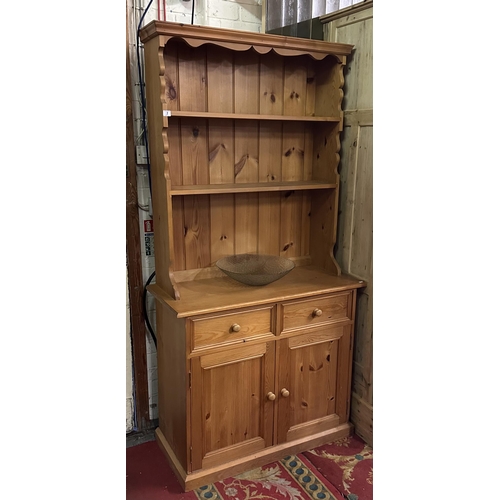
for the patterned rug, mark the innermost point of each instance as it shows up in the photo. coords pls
(289, 478)
(336, 471)
(347, 464)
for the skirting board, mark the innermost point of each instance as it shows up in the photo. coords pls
(202, 477)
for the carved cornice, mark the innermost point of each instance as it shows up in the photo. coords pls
(243, 40)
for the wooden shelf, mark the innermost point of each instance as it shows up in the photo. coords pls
(249, 116)
(223, 293)
(260, 187)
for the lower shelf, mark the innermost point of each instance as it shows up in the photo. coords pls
(202, 477)
(201, 296)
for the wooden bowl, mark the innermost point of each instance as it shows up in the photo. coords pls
(252, 269)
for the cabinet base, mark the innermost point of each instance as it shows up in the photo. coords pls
(202, 477)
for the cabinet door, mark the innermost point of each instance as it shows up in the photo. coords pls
(313, 382)
(231, 415)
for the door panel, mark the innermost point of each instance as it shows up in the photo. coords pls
(312, 381)
(231, 414)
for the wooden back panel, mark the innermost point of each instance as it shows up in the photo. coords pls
(210, 227)
(213, 78)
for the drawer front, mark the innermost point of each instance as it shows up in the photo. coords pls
(316, 311)
(232, 328)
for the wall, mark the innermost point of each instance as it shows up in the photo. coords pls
(354, 251)
(299, 11)
(232, 14)
(242, 15)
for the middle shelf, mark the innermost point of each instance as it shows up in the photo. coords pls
(250, 116)
(255, 187)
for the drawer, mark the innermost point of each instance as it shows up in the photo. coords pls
(232, 328)
(316, 311)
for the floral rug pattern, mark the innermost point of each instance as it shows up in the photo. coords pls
(290, 479)
(347, 464)
(342, 470)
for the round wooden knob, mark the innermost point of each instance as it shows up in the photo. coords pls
(285, 393)
(235, 327)
(271, 396)
(317, 312)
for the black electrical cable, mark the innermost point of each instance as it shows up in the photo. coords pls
(143, 101)
(143, 109)
(192, 13)
(144, 307)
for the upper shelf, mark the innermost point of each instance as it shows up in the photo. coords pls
(250, 187)
(249, 116)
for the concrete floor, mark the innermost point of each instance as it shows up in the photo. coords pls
(138, 437)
